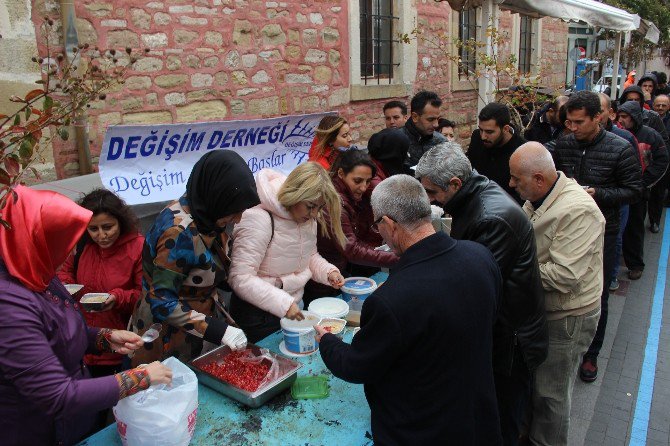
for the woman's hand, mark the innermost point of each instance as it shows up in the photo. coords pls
(158, 373)
(109, 303)
(294, 313)
(124, 342)
(335, 279)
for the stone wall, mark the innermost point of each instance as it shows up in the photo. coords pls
(17, 72)
(241, 59)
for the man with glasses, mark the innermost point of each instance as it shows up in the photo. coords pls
(606, 166)
(423, 352)
(483, 212)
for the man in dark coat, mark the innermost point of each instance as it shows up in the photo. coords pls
(492, 144)
(424, 349)
(421, 127)
(607, 166)
(484, 213)
(546, 124)
(654, 158)
(649, 117)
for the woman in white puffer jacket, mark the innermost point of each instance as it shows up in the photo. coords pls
(274, 248)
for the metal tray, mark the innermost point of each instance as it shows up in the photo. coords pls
(255, 399)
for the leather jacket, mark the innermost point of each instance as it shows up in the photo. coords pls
(483, 212)
(609, 165)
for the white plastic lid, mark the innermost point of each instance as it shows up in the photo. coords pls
(359, 285)
(332, 307)
(302, 326)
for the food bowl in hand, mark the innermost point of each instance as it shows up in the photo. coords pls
(93, 301)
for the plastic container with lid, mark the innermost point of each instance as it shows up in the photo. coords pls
(329, 307)
(300, 336)
(355, 290)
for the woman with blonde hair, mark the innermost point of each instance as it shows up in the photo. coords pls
(274, 251)
(332, 136)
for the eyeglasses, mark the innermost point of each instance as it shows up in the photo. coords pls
(375, 225)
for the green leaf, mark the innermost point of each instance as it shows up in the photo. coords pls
(48, 103)
(63, 133)
(26, 148)
(17, 119)
(28, 112)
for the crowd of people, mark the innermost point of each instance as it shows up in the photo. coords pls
(476, 337)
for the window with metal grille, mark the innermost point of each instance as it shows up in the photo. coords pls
(378, 24)
(467, 30)
(525, 43)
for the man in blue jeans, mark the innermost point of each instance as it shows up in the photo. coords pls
(607, 166)
(569, 230)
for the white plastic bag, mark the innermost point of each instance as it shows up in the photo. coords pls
(161, 415)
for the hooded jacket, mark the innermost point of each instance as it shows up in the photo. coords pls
(484, 213)
(653, 152)
(649, 117)
(607, 164)
(419, 143)
(116, 270)
(270, 270)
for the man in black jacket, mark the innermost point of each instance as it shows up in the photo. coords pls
(649, 117)
(424, 350)
(483, 212)
(421, 127)
(546, 124)
(492, 144)
(654, 157)
(606, 166)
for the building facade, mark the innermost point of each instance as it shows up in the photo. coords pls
(244, 59)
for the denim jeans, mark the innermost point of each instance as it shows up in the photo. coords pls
(623, 219)
(555, 377)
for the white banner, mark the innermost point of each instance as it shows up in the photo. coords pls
(150, 163)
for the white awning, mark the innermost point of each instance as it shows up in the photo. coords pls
(592, 12)
(649, 31)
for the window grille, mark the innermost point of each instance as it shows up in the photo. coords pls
(525, 44)
(378, 25)
(467, 30)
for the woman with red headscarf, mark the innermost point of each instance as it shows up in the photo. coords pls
(46, 393)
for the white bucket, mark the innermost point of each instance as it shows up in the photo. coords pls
(300, 336)
(329, 307)
(356, 289)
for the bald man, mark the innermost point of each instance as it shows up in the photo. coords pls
(569, 233)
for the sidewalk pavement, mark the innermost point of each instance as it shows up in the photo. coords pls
(614, 410)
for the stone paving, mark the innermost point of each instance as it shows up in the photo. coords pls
(603, 411)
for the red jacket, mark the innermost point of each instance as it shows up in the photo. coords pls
(116, 270)
(326, 159)
(361, 240)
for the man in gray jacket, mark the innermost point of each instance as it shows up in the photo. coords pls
(421, 127)
(569, 231)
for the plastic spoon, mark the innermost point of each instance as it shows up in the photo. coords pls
(152, 333)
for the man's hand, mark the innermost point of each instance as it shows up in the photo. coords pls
(320, 331)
